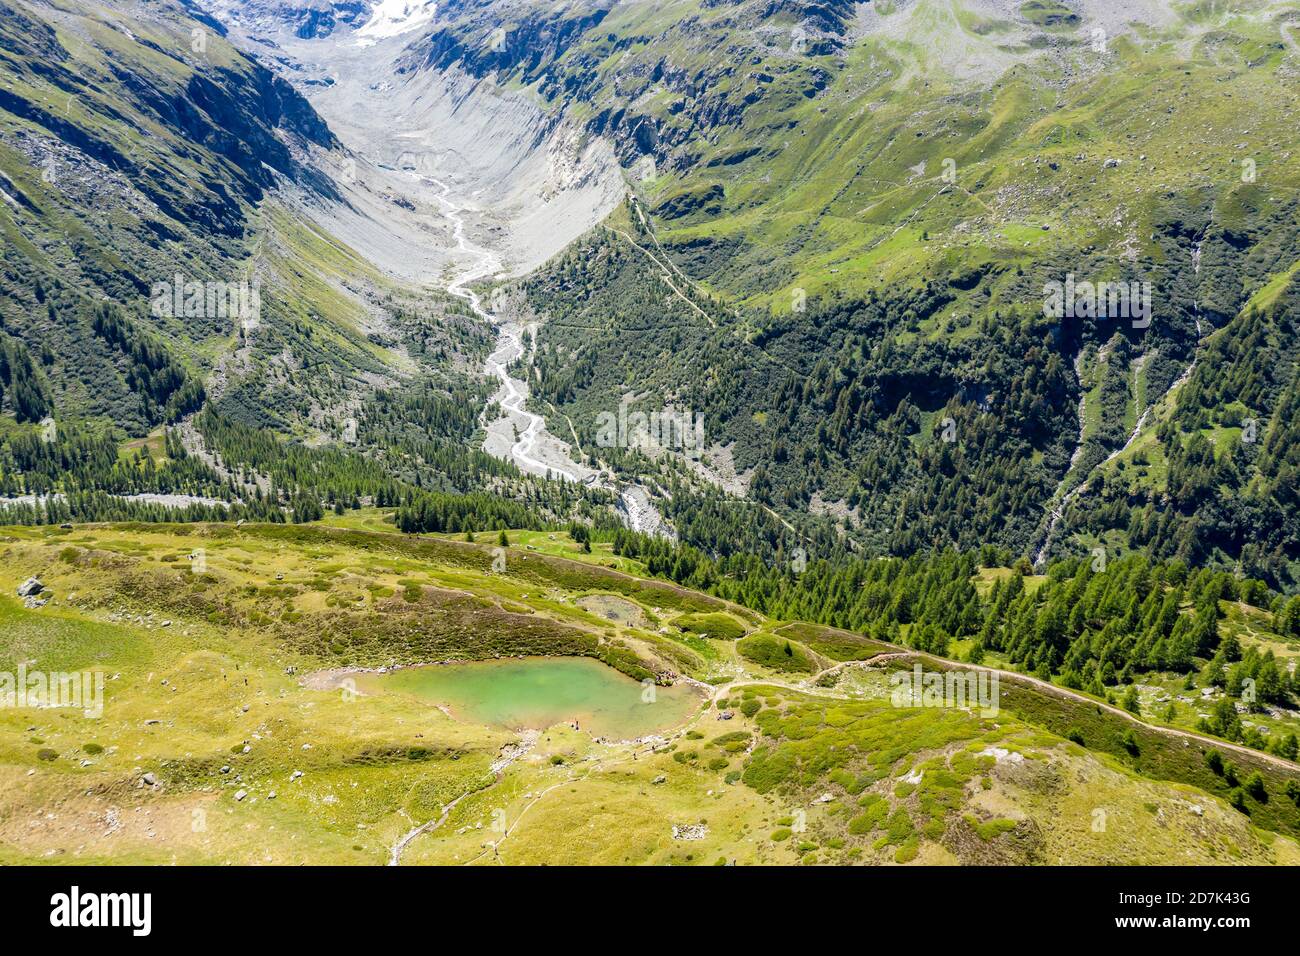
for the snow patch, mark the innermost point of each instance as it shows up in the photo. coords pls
(391, 18)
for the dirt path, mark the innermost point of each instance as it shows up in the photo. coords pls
(666, 274)
(628, 752)
(650, 231)
(512, 753)
(395, 855)
(1059, 691)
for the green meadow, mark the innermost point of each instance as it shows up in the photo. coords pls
(261, 706)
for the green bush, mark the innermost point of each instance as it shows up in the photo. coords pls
(733, 742)
(907, 852)
(988, 830)
(775, 652)
(722, 627)
(1255, 787)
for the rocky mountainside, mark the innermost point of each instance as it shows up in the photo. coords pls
(849, 218)
(532, 178)
(172, 211)
(135, 145)
(844, 227)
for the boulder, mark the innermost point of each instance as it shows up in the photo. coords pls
(29, 587)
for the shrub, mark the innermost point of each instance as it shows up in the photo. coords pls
(777, 653)
(722, 627)
(875, 811)
(988, 830)
(733, 742)
(907, 852)
(1131, 702)
(1255, 787)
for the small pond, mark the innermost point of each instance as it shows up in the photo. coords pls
(538, 692)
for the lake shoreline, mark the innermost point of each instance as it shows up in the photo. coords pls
(530, 693)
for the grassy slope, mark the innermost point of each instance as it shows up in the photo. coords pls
(1098, 164)
(184, 699)
(830, 188)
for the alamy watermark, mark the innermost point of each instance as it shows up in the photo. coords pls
(194, 299)
(74, 908)
(945, 688)
(1099, 300)
(671, 429)
(78, 690)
